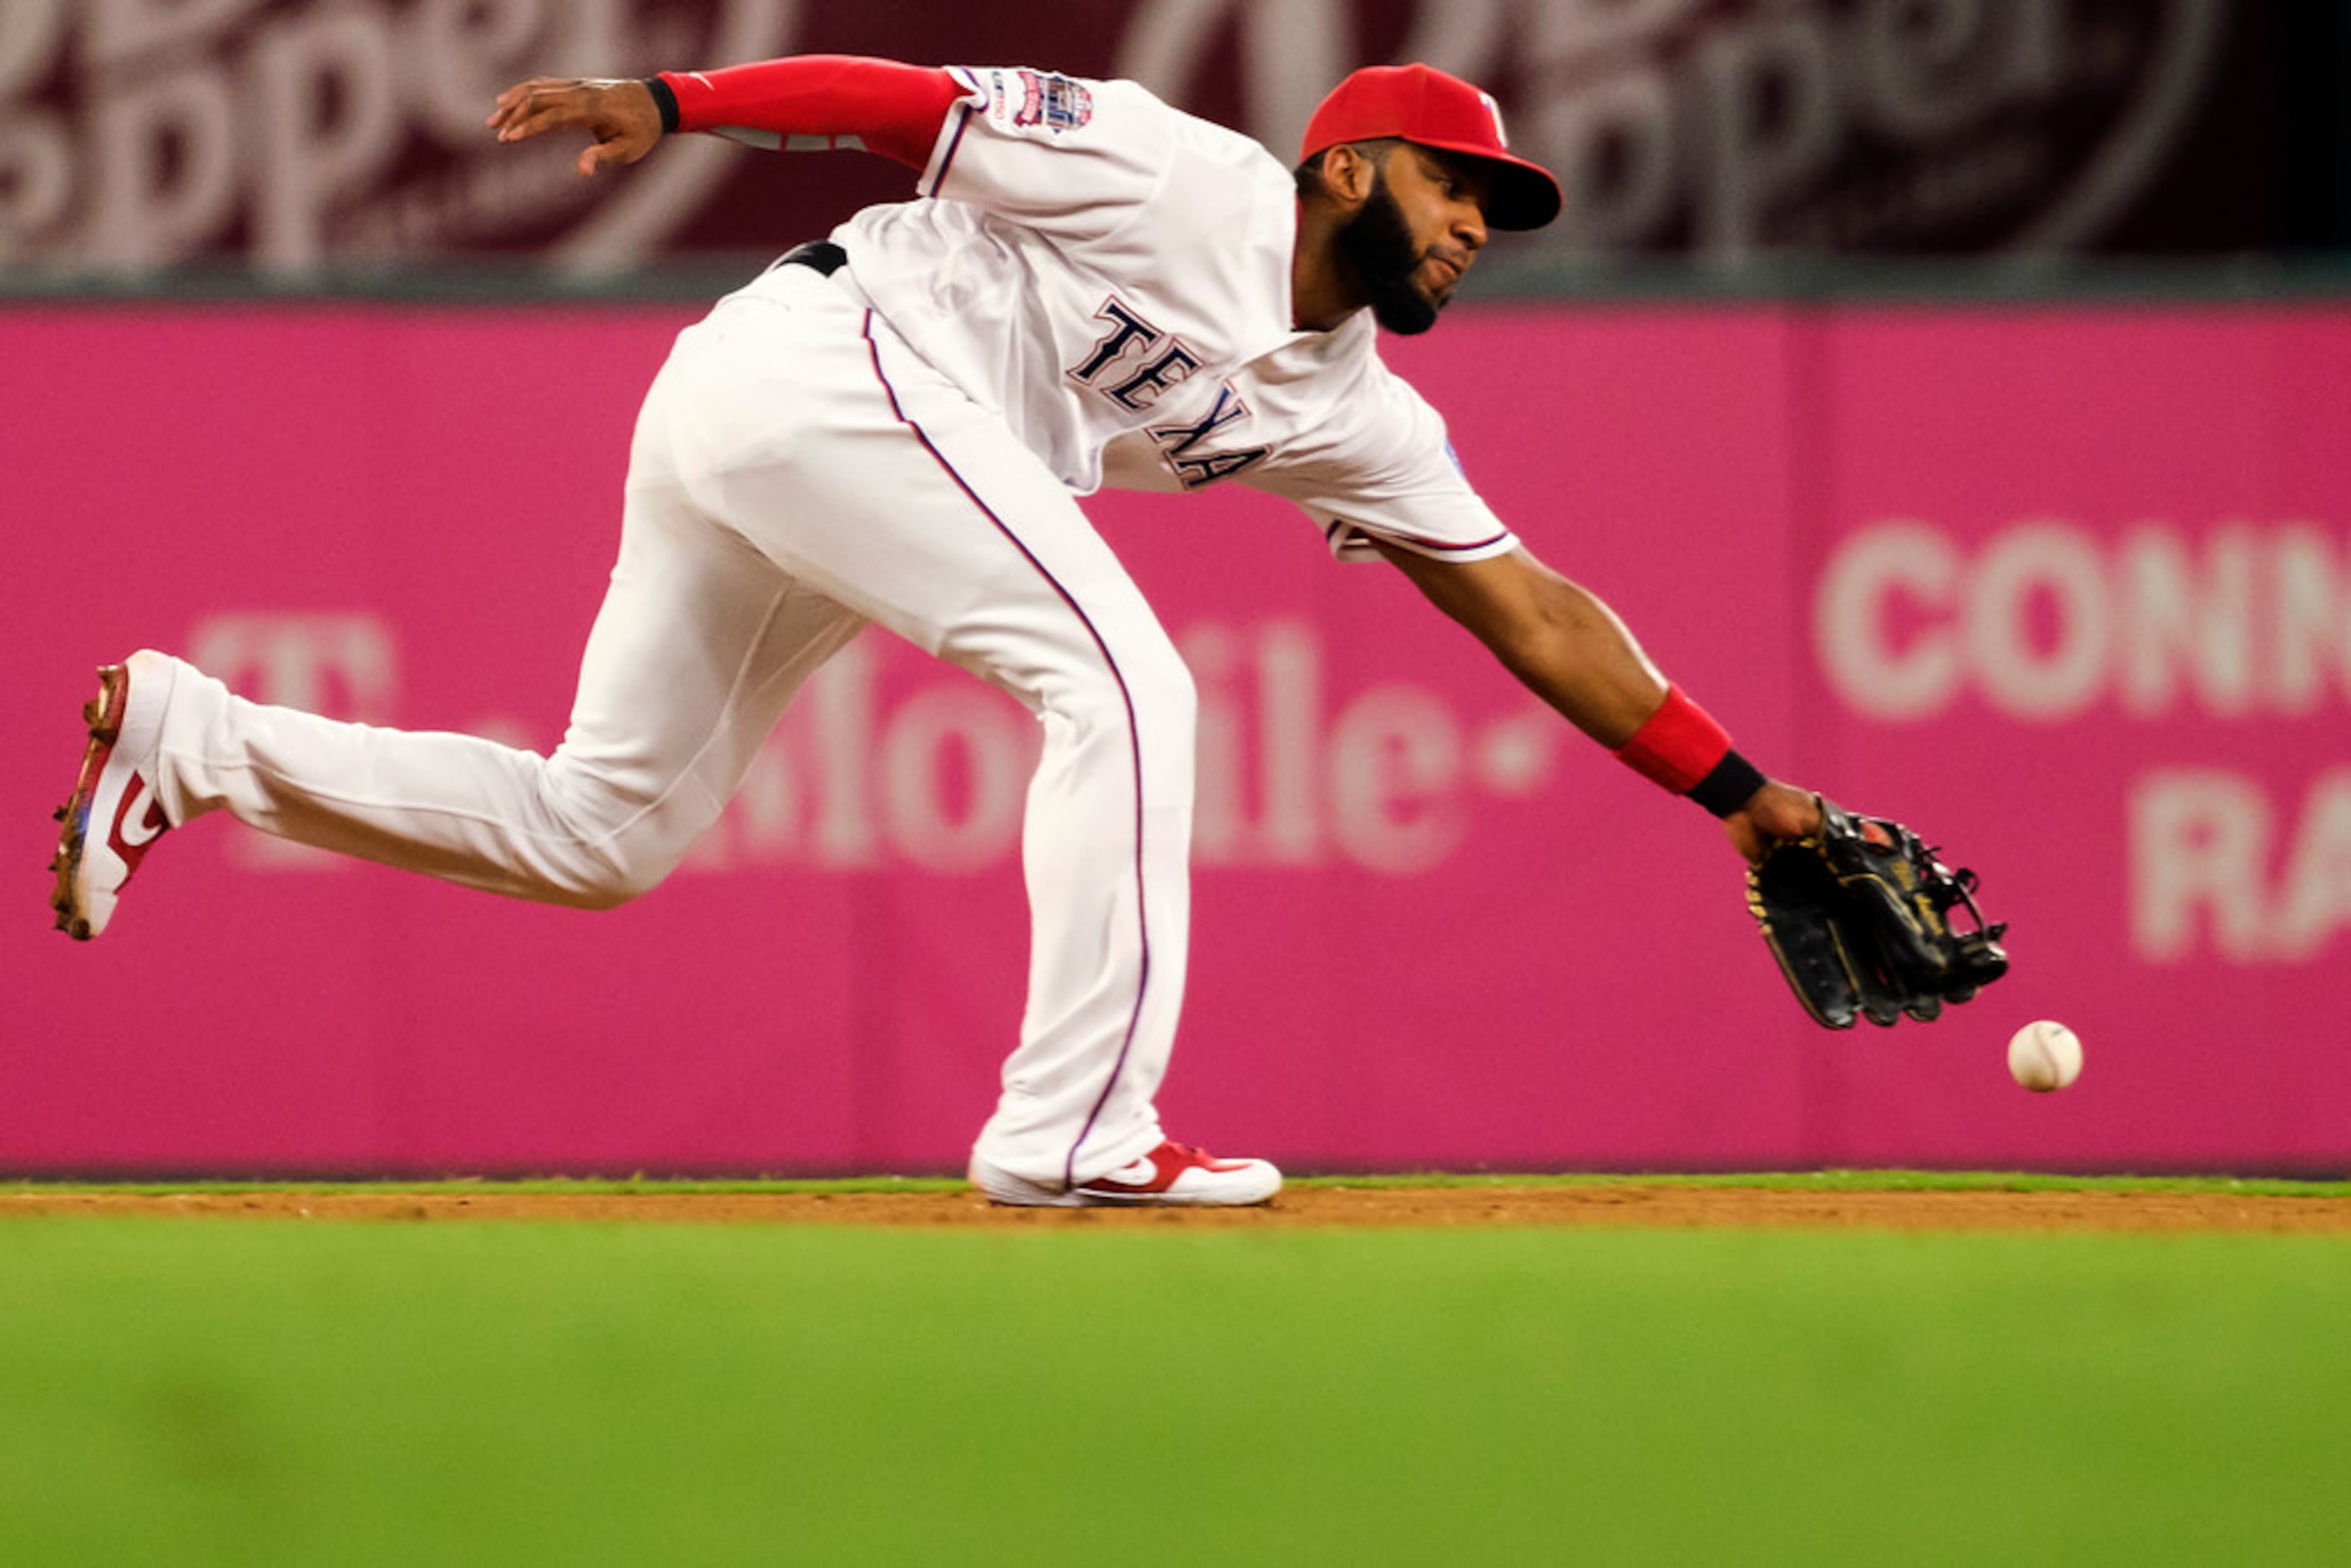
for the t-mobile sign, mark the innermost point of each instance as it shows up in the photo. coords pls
(2069, 592)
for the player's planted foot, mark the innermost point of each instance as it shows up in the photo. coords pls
(113, 817)
(1172, 1175)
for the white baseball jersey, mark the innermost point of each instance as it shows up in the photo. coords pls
(1113, 278)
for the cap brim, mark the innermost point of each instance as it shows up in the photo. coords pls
(1525, 194)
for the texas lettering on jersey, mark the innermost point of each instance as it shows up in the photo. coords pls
(1133, 364)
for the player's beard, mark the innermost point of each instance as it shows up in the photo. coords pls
(1378, 244)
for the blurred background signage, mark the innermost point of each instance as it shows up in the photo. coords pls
(297, 135)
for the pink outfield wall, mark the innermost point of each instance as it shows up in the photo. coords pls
(2070, 588)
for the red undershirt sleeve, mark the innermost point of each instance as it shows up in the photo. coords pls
(809, 102)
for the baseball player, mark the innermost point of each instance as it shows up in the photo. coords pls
(895, 426)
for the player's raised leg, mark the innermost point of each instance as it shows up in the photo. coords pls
(700, 644)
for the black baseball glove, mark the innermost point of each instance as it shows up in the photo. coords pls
(1859, 917)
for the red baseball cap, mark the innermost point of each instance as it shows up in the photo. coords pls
(1424, 105)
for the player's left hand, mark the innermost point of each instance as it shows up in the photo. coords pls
(620, 114)
(1858, 914)
(1775, 812)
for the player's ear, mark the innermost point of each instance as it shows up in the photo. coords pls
(1349, 174)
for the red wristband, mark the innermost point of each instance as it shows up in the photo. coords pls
(1678, 745)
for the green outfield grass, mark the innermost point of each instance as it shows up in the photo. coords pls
(338, 1392)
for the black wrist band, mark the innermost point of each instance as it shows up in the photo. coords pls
(1730, 785)
(665, 101)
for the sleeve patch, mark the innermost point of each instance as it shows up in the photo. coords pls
(1025, 98)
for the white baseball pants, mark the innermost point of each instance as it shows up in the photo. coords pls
(797, 472)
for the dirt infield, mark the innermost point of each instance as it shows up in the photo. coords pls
(1599, 1203)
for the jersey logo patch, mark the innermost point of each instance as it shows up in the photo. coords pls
(1055, 102)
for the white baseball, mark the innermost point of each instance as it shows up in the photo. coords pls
(2044, 1055)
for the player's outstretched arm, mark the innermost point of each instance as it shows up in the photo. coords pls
(1571, 650)
(620, 115)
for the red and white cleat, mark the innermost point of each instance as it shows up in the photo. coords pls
(113, 818)
(1173, 1175)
